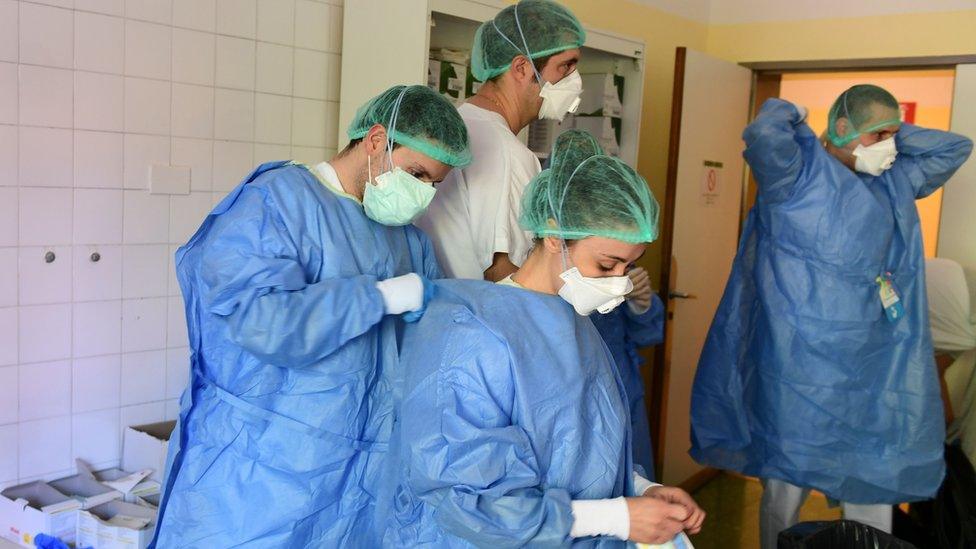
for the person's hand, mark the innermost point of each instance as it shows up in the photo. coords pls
(802, 113)
(671, 494)
(640, 296)
(429, 290)
(655, 521)
(407, 293)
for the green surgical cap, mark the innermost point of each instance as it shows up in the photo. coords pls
(587, 193)
(858, 106)
(534, 28)
(417, 118)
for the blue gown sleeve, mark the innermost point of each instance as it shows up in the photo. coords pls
(432, 269)
(928, 158)
(772, 151)
(256, 283)
(647, 328)
(468, 459)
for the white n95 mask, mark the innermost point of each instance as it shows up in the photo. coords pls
(877, 158)
(593, 294)
(560, 98)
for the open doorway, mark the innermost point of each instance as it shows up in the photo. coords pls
(925, 96)
(700, 225)
(701, 222)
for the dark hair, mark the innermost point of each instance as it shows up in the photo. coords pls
(861, 97)
(539, 62)
(353, 143)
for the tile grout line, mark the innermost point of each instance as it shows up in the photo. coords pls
(19, 217)
(71, 309)
(123, 243)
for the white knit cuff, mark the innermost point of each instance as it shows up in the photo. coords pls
(600, 517)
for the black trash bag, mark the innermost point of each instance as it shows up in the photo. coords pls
(954, 508)
(915, 526)
(838, 534)
(949, 520)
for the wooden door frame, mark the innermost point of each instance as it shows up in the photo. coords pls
(660, 375)
(657, 400)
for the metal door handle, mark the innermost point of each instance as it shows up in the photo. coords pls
(674, 294)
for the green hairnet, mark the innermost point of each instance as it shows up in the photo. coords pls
(587, 193)
(859, 105)
(534, 28)
(417, 118)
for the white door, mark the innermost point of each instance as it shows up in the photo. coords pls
(958, 224)
(707, 172)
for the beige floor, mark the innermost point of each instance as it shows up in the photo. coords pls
(732, 504)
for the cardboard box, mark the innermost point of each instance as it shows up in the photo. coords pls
(144, 447)
(36, 508)
(149, 500)
(116, 525)
(605, 129)
(602, 95)
(448, 79)
(84, 488)
(132, 485)
(451, 79)
(543, 134)
(471, 85)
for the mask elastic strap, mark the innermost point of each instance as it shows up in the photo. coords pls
(564, 253)
(393, 120)
(369, 170)
(525, 44)
(556, 212)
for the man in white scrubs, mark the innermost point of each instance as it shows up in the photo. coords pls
(526, 56)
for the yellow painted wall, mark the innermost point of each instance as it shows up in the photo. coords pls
(931, 90)
(662, 33)
(908, 35)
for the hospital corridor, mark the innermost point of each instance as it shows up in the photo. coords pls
(367, 274)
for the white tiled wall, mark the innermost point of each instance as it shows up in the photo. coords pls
(92, 93)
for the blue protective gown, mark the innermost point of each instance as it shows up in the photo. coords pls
(802, 377)
(625, 332)
(289, 402)
(511, 409)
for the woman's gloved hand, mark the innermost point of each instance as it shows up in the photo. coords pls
(639, 299)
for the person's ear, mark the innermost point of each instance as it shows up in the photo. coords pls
(375, 139)
(522, 69)
(842, 127)
(553, 244)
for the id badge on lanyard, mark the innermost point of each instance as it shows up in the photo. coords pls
(890, 300)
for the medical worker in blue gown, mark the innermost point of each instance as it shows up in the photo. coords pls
(639, 323)
(514, 428)
(294, 286)
(818, 370)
